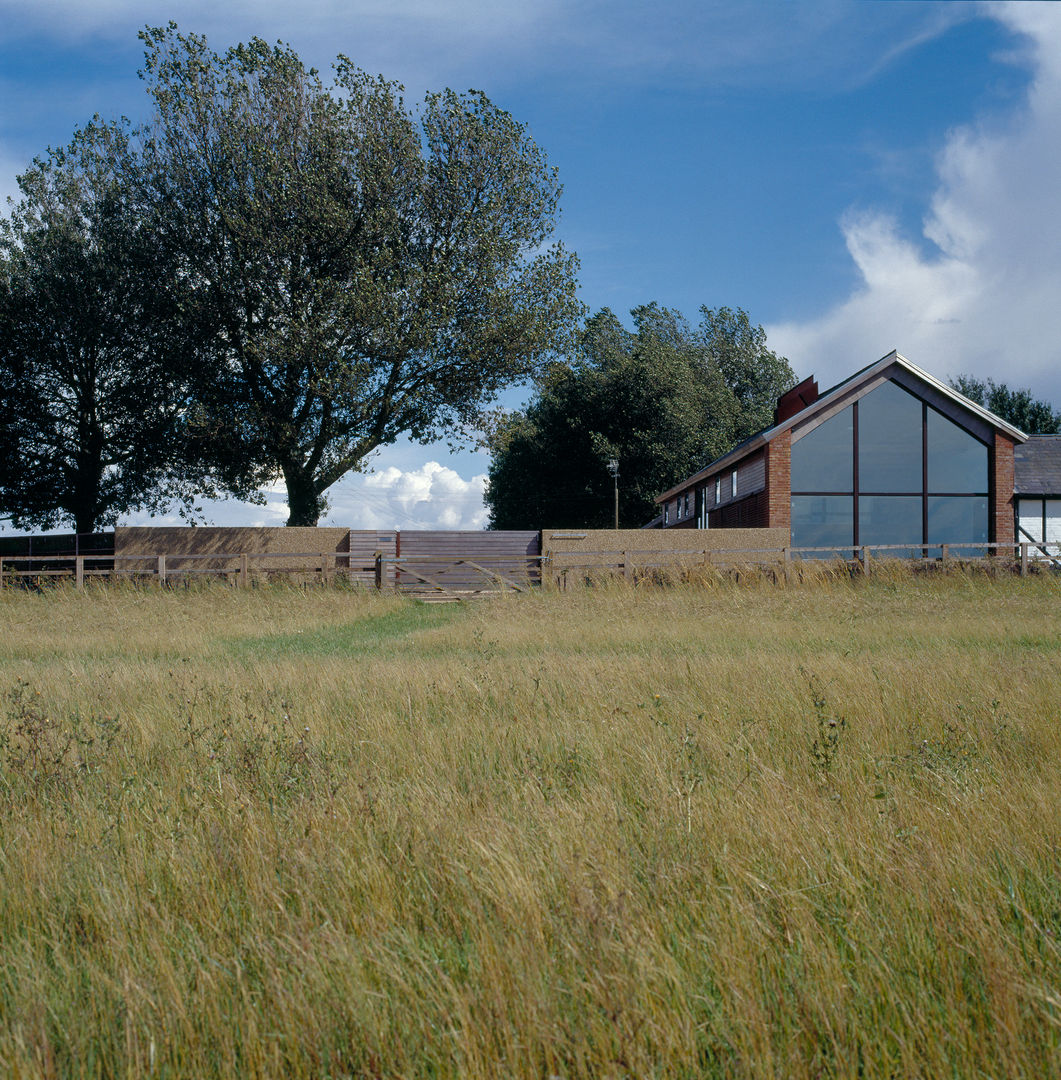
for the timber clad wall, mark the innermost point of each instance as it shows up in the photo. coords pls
(746, 513)
(449, 556)
(61, 545)
(365, 545)
(751, 479)
(779, 481)
(1002, 520)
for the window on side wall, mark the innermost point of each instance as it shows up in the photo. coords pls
(718, 490)
(733, 483)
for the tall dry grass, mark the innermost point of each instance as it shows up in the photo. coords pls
(740, 831)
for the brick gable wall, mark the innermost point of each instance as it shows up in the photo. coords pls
(779, 481)
(1002, 490)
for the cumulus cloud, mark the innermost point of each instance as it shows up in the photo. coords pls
(977, 291)
(430, 496)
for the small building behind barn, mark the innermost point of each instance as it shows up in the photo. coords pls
(889, 456)
(1037, 495)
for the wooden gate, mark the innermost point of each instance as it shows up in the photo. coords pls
(453, 565)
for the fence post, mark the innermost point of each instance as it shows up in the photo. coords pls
(1, 572)
(162, 569)
(864, 560)
(79, 572)
(944, 553)
(326, 568)
(1024, 558)
(244, 571)
(627, 570)
(786, 562)
(379, 570)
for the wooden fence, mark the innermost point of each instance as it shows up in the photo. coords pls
(457, 575)
(633, 564)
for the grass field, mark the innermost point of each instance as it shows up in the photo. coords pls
(739, 831)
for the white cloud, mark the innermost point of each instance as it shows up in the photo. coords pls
(978, 291)
(431, 496)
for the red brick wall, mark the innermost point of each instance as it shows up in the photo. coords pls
(1002, 490)
(779, 481)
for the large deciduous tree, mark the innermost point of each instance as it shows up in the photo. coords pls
(1032, 415)
(662, 400)
(93, 346)
(370, 270)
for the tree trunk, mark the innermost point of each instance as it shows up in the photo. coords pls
(304, 504)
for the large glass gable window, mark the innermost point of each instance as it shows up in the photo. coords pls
(889, 440)
(825, 461)
(889, 470)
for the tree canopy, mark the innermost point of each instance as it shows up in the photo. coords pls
(93, 346)
(369, 270)
(1033, 416)
(662, 400)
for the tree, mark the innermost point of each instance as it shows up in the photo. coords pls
(369, 270)
(92, 347)
(1017, 407)
(662, 400)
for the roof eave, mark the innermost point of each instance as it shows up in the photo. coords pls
(894, 357)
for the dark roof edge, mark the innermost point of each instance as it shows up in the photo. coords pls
(761, 438)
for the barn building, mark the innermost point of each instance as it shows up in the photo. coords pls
(890, 456)
(1037, 469)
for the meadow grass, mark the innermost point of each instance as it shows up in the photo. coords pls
(702, 830)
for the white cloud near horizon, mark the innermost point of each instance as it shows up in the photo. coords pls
(978, 290)
(430, 496)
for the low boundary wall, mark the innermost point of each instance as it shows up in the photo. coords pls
(635, 550)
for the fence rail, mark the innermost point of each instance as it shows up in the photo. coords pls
(630, 563)
(459, 575)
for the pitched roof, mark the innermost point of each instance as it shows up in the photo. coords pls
(761, 438)
(1037, 466)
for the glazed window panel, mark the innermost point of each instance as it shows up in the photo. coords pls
(826, 521)
(959, 519)
(956, 460)
(1052, 510)
(823, 459)
(891, 519)
(890, 444)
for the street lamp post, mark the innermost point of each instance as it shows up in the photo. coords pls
(613, 468)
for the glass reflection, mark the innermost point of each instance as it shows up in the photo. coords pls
(823, 459)
(891, 519)
(824, 521)
(956, 460)
(889, 440)
(958, 519)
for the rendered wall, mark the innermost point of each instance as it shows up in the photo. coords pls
(208, 540)
(574, 546)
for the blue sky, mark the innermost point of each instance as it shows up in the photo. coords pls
(857, 176)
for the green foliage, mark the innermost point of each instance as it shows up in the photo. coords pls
(94, 345)
(368, 270)
(1032, 415)
(662, 400)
